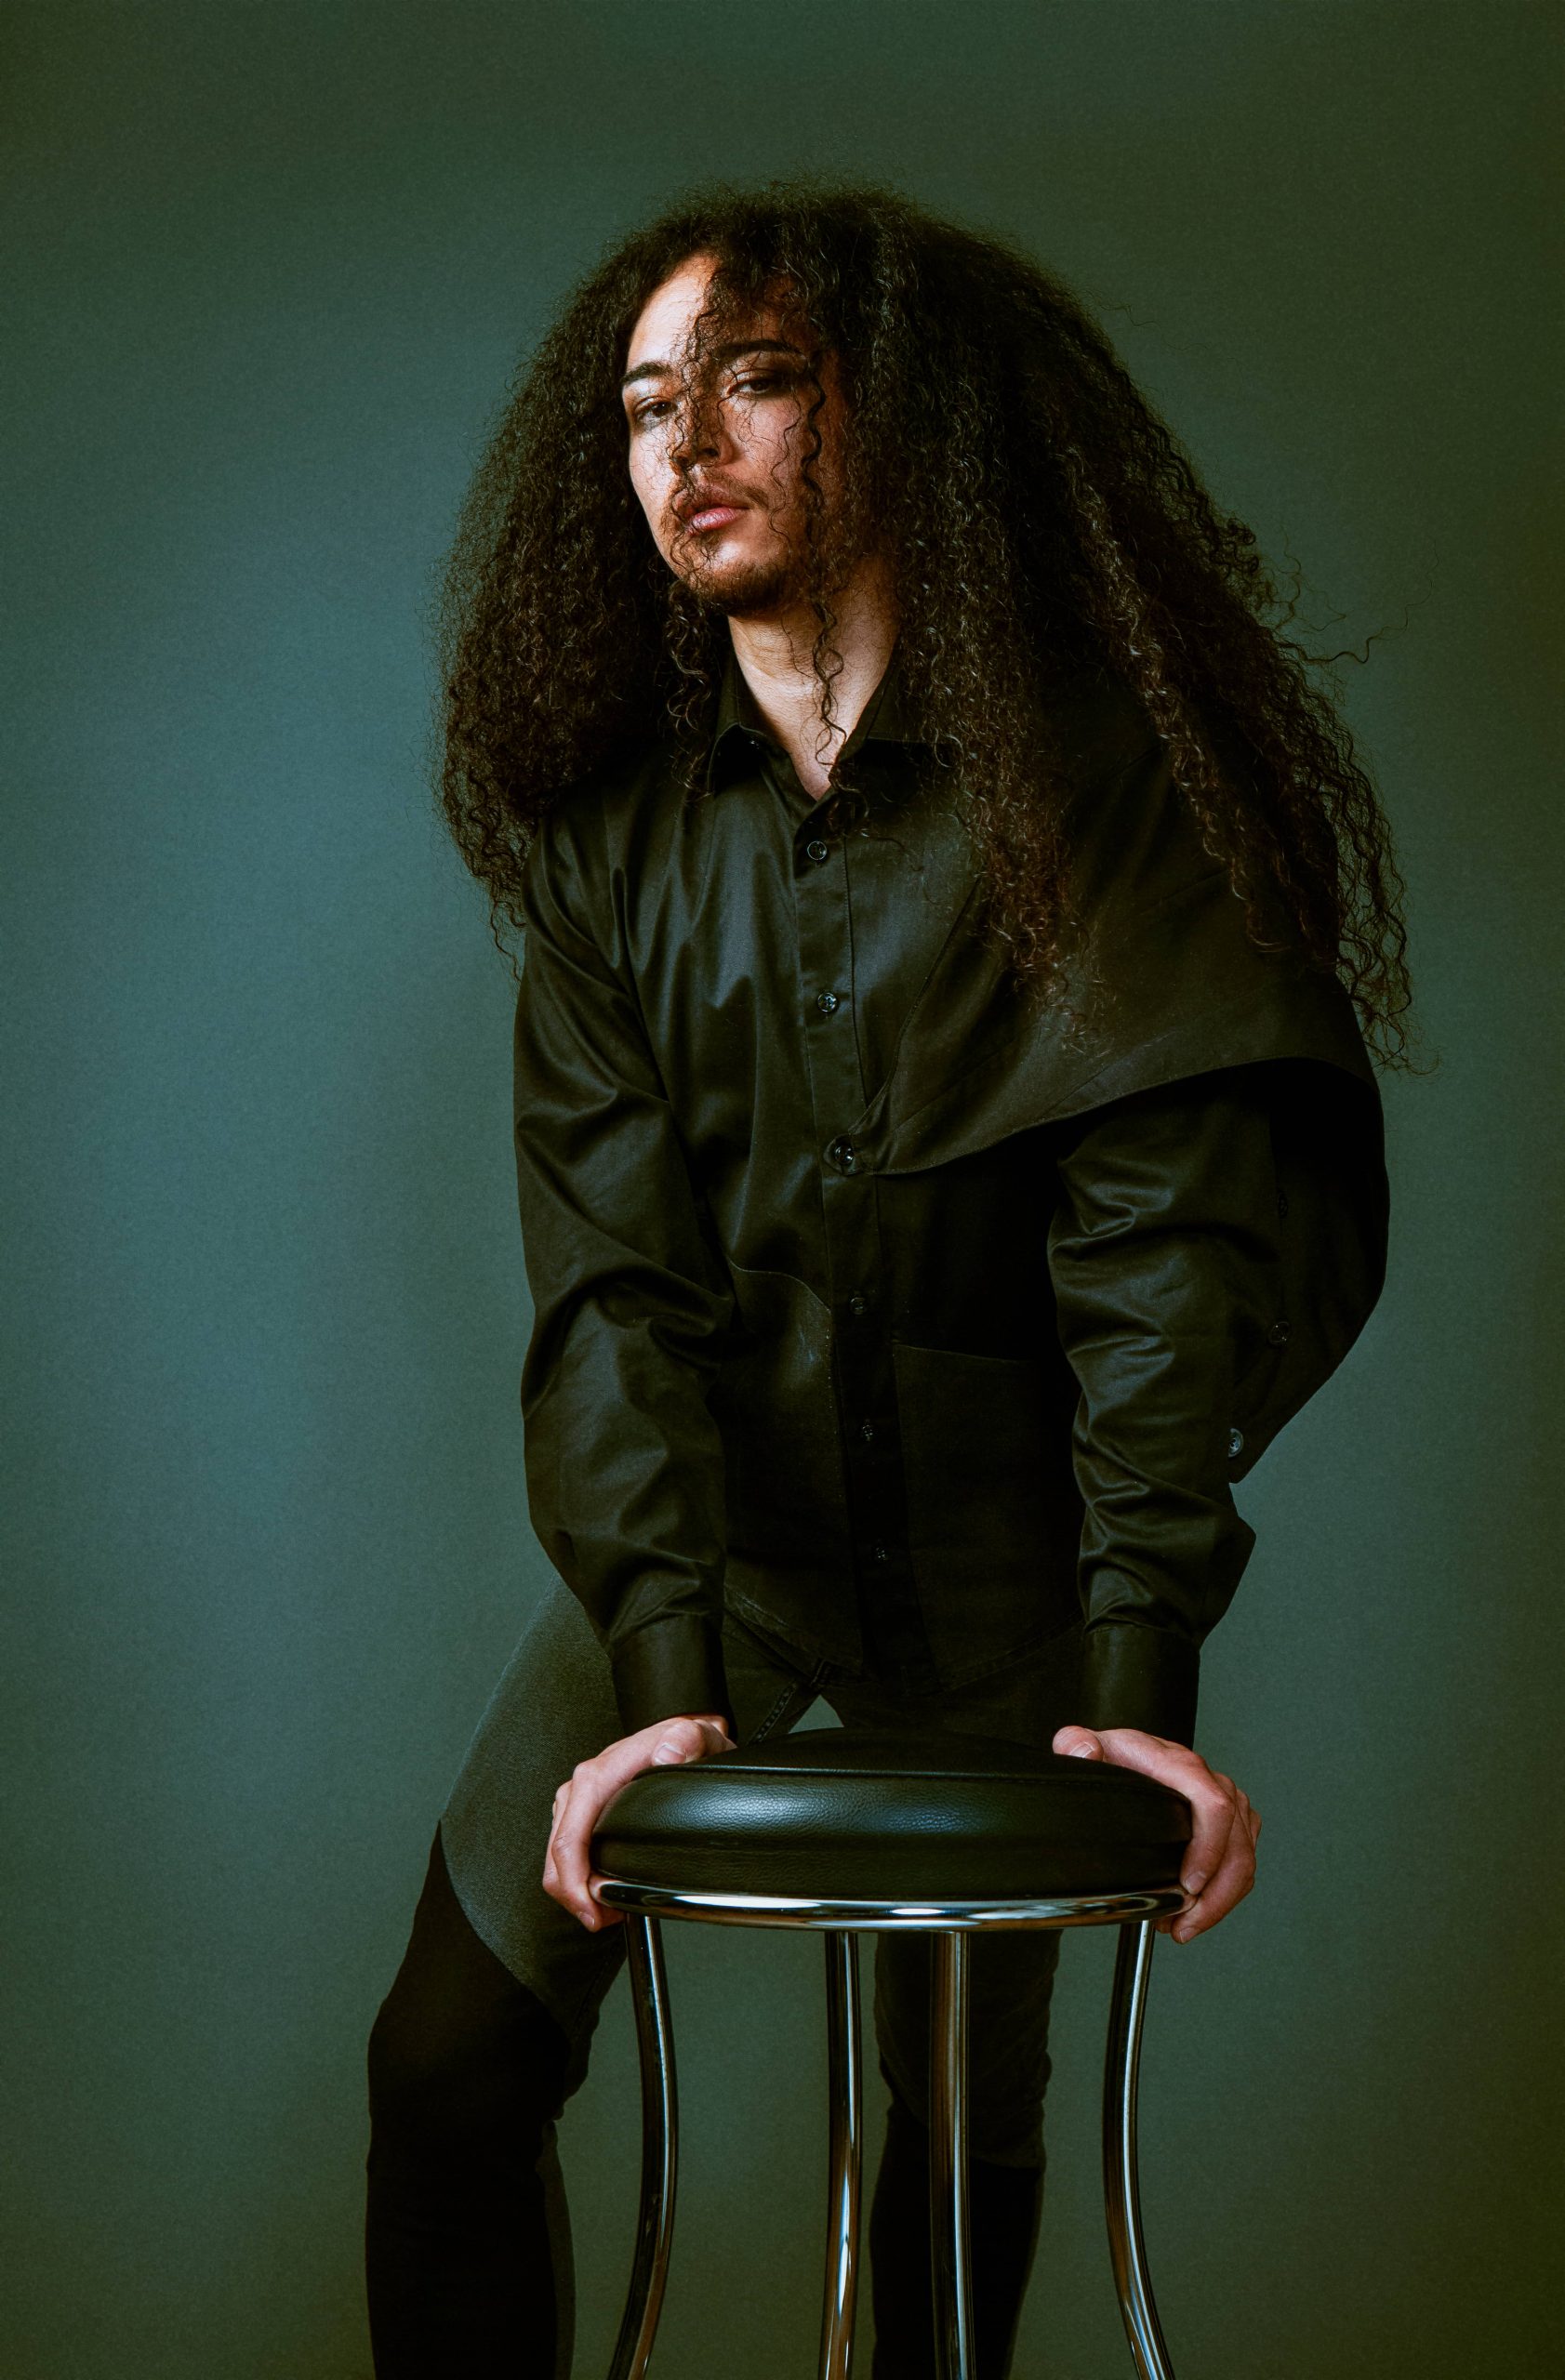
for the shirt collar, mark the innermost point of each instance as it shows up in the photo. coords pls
(882, 720)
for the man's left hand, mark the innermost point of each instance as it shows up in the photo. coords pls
(1219, 1863)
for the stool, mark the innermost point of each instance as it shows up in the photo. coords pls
(849, 1833)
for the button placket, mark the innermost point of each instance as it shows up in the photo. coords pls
(863, 1376)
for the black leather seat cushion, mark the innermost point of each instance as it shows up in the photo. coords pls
(839, 1815)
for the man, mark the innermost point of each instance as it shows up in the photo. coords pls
(947, 1153)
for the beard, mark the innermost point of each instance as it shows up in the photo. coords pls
(735, 590)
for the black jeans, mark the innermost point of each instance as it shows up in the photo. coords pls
(468, 2259)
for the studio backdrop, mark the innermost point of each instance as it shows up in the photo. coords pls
(271, 270)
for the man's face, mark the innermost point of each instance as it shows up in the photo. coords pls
(718, 444)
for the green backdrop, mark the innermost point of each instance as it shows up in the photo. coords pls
(268, 1543)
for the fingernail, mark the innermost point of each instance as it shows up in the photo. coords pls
(667, 1752)
(1195, 1882)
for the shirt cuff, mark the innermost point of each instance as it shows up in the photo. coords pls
(670, 1668)
(1139, 1678)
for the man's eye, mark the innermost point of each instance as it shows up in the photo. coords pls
(651, 410)
(758, 384)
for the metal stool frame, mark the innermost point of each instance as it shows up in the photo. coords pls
(842, 1921)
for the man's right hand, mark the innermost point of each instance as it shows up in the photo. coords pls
(592, 1784)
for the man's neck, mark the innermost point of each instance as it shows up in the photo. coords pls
(774, 654)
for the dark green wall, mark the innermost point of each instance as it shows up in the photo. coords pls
(270, 1546)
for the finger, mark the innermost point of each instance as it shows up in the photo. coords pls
(681, 1740)
(1246, 1817)
(1212, 1823)
(1234, 1877)
(572, 1838)
(677, 1741)
(1077, 1743)
(684, 1739)
(1210, 1795)
(593, 1784)
(1213, 1819)
(552, 1882)
(554, 1810)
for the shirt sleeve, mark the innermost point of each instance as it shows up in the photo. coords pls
(631, 1304)
(1165, 1260)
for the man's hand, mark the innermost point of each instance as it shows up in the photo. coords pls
(1219, 1865)
(592, 1784)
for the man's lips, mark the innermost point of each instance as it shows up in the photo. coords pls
(705, 513)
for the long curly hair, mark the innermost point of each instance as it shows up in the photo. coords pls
(1039, 518)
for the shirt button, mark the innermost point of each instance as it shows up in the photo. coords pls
(842, 1155)
(866, 1432)
(1280, 1334)
(880, 1554)
(826, 1002)
(1236, 1444)
(858, 1302)
(817, 850)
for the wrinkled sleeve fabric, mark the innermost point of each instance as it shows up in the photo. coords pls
(1164, 1257)
(631, 1304)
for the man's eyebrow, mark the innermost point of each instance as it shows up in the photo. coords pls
(728, 353)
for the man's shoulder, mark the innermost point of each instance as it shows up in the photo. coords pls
(592, 819)
(1100, 724)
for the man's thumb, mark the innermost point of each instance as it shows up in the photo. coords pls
(1077, 1743)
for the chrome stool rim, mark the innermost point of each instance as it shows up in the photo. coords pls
(883, 1916)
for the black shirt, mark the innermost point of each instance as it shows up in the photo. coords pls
(866, 1298)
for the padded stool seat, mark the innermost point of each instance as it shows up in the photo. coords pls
(855, 1832)
(842, 1817)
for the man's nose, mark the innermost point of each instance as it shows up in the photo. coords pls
(697, 430)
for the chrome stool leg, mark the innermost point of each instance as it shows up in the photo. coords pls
(846, 2088)
(950, 2249)
(1133, 1968)
(655, 2042)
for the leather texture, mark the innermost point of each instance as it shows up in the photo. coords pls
(840, 1815)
